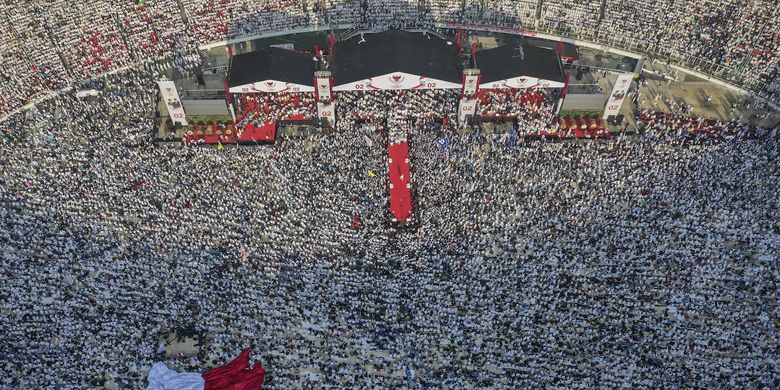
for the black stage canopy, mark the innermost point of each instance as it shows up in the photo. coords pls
(272, 63)
(396, 51)
(567, 49)
(506, 62)
(385, 53)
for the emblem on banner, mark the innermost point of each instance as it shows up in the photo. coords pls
(269, 86)
(397, 80)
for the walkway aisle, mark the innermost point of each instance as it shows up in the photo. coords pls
(400, 174)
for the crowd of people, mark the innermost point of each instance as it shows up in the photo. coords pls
(689, 126)
(261, 109)
(738, 35)
(645, 261)
(531, 109)
(76, 41)
(374, 106)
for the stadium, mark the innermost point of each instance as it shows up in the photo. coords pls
(389, 194)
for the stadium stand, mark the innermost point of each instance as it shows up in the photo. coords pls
(727, 39)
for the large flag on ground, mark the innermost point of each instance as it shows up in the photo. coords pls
(235, 375)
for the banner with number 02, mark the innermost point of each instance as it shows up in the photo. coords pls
(170, 96)
(618, 95)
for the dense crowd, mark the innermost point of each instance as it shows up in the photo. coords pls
(263, 108)
(646, 262)
(697, 127)
(531, 109)
(395, 113)
(731, 38)
(734, 39)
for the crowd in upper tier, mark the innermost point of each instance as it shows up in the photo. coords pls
(638, 262)
(47, 45)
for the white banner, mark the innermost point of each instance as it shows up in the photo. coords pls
(618, 95)
(470, 84)
(521, 83)
(397, 80)
(360, 85)
(88, 92)
(326, 111)
(287, 46)
(271, 86)
(502, 30)
(232, 112)
(170, 96)
(466, 107)
(323, 88)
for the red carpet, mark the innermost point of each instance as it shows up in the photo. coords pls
(400, 179)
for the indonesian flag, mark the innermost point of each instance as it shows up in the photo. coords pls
(235, 375)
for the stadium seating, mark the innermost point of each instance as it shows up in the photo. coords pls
(47, 45)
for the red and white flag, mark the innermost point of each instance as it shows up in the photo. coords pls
(236, 375)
